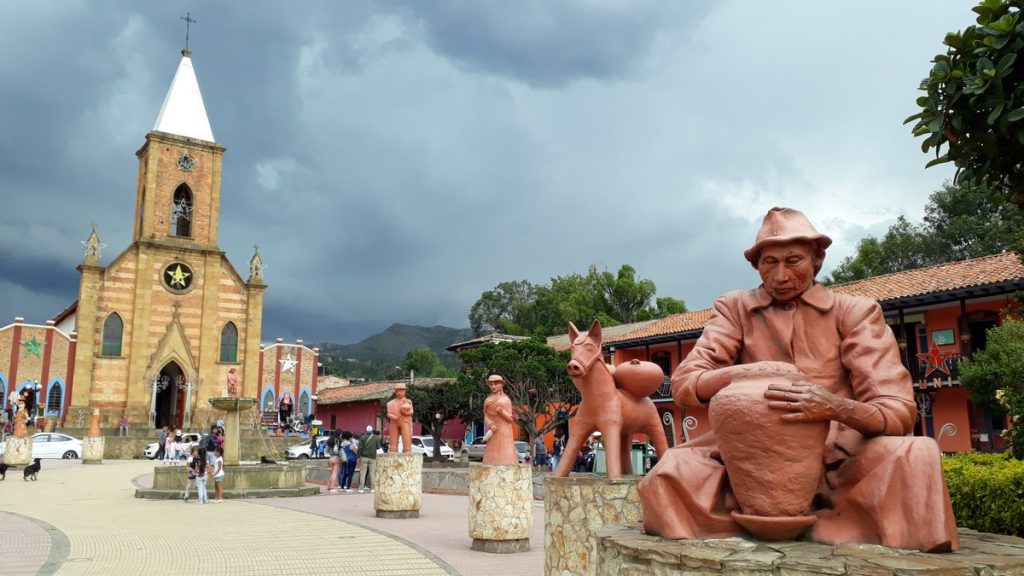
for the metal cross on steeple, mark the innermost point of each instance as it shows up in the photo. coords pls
(189, 20)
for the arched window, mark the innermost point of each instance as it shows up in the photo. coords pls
(181, 212)
(54, 398)
(113, 327)
(229, 343)
(304, 406)
(268, 400)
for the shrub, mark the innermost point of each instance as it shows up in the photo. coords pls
(987, 492)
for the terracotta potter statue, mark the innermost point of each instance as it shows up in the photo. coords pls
(791, 353)
(498, 417)
(232, 382)
(615, 401)
(21, 418)
(400, 418)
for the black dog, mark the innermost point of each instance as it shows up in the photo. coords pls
(3, 471)
(32, 470)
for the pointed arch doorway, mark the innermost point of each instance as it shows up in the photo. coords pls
(170, 396)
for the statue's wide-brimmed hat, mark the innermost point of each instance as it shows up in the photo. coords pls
(401, 386)
(783, 225)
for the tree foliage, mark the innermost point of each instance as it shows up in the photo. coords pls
(535, 381)
(995, 377)
(974, 101)
(522, 308)
(424, 362)
(960, 222)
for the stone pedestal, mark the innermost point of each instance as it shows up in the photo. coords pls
(18, 450)
(575, 508)
(500, 507)
(92, 450)
(232, 407)
(399, 485)
(627, 550)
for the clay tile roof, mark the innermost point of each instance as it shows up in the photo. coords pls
(940, 278)
(609, 333)
(71, 309)
(370, 390)
(674, 324)
(481, 340)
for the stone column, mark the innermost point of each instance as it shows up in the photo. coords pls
(232, 434)
(575, 508)
(93, 443)
(399, 484)
(500, 507)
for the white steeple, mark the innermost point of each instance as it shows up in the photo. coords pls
(183, 113)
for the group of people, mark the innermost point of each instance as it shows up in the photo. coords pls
(201, 466)
(347, 453)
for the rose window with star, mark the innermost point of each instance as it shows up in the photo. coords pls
(178, 277)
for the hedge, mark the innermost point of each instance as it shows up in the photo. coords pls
(987, 491)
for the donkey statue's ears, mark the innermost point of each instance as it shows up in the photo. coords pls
(595, 331)
(574, 332)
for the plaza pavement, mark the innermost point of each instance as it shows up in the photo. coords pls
(84, 519)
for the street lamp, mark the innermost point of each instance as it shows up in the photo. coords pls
(156, 382)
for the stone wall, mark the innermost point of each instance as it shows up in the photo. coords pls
(627, 550)
(575, 508)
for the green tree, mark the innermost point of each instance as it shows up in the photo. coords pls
(974, 101)
(506, 308)
(535, 381)
(437, 401)
(995, 378)
(424, 362)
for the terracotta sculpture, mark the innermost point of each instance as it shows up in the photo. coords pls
(21, 420)
(232, 382)
(400, 418)
(615, 401)
(94, 424)
(818, 357)
(498, 417)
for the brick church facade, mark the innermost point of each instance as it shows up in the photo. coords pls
(155, 331)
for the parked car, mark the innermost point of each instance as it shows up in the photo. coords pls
(300, 451)
(53, 445)
(425, 445)
(188, 440)
(474, 451)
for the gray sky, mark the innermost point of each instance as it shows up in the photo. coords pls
(395, 160)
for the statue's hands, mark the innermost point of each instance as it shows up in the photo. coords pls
(804, 402)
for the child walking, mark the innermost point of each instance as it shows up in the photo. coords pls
(198, 469)
(218, 475)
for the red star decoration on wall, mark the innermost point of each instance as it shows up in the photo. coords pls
(933, 361)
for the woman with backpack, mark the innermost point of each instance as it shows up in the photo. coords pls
(348, 467)
(333, 447)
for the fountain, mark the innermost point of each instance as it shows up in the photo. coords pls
(241, 480)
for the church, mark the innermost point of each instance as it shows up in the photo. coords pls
(162, 326)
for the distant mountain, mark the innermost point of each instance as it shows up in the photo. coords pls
(377, 356)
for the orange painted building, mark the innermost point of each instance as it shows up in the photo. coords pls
(939, 315)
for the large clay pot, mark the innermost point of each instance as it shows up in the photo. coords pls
(638, 377)
(774, 466)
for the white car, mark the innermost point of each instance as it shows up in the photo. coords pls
(188, 440)
(301, 450)
(425, 445)
(53, 445)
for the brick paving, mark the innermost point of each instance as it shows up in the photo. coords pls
(80, 519)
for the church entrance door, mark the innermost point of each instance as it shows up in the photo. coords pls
(167, 405)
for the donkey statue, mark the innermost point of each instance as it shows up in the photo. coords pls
(615, 402)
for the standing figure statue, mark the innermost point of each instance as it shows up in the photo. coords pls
(232, 382)
(498, 418)
(830, 358)
(400, 418)
(25, 405)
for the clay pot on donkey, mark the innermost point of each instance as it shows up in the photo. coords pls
(774, 467)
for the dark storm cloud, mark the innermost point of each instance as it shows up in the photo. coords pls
(395, 160)
(550, 44)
